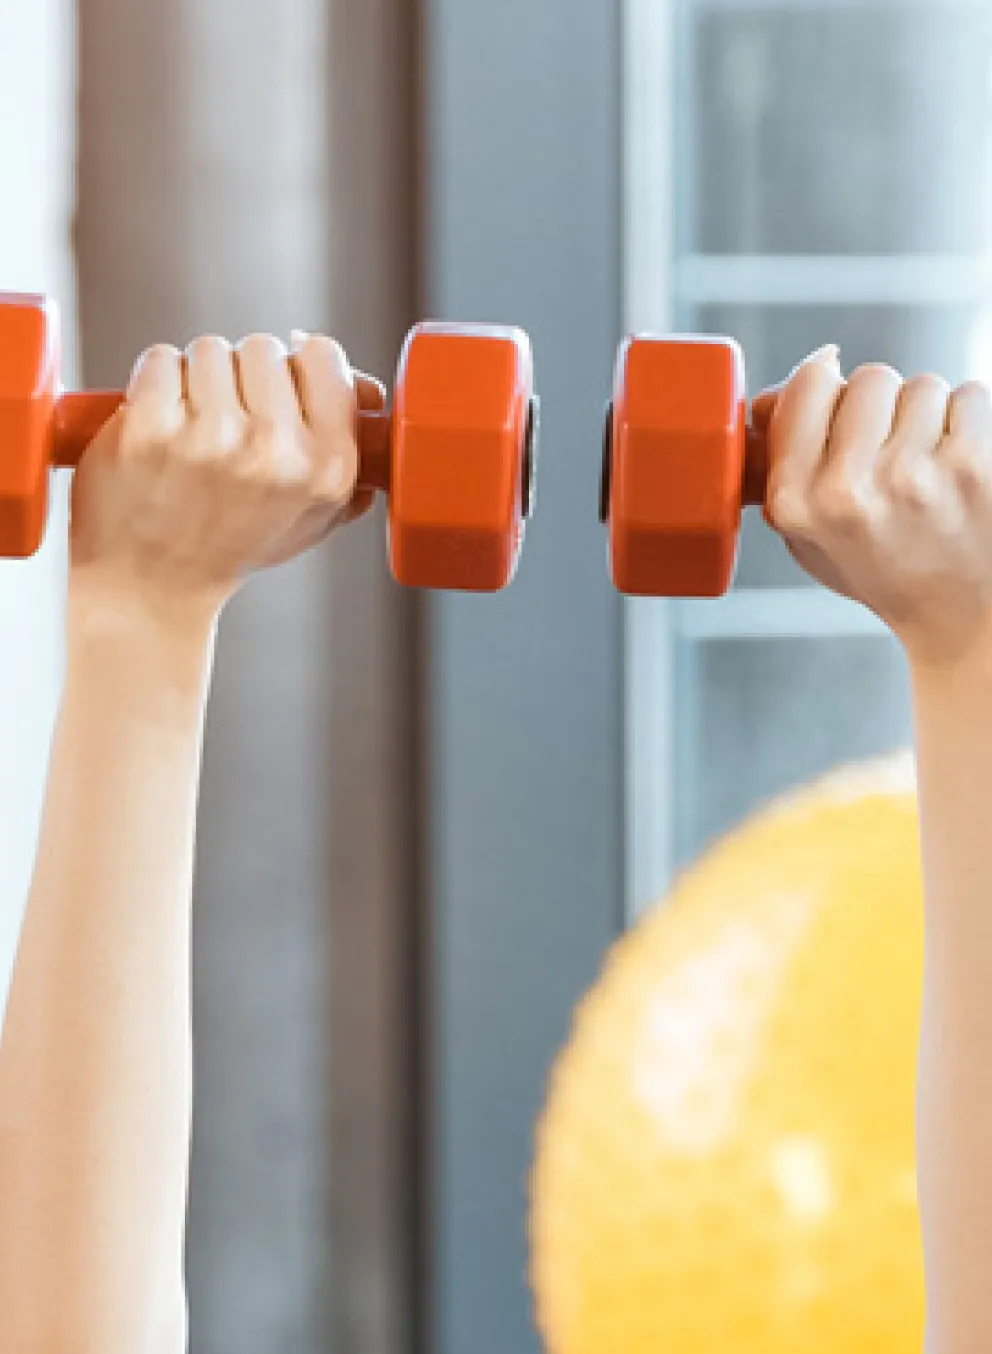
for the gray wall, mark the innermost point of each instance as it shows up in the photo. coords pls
(523, 222)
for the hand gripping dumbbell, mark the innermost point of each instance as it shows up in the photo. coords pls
(456, 453)
(679, 464)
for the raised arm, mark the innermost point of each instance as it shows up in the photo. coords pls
(220, 463)
(883, 490)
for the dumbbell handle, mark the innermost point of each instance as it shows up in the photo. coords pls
(76, 421)
(755, 483)
(78, 417)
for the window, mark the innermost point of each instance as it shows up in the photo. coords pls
(800, 172)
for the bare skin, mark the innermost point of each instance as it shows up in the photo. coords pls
(221, 462)
(882, 489)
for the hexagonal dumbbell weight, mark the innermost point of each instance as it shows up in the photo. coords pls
(456, 452)
(679, 464)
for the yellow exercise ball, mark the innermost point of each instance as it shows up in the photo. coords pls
(725, 1163)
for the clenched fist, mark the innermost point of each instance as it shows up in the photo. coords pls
(221, 461)
(882, 489)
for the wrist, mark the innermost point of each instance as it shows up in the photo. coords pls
(954, 675)
(148, 651)
(108, 601)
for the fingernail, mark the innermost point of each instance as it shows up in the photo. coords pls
(297, 338)
(829, 355)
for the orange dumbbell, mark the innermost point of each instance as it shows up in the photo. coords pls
(679, 464)
(456, 453)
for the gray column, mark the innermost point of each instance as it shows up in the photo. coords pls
(523, 142)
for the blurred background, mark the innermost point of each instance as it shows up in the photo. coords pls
(424, 818)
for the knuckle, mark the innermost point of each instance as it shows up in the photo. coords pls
(262, 345)
(336, 477)
(248, 471)
(930, 384)
(216, 433)
(842, 502)
(787, 509)
(816, 382)
(275, 455)
(158, 366)
(208, 345)
(326, 359)
(974, 390)
(149, 420)
(325, 347)
(909, 484)
(968, 461)
(161, 352)
(876, 373)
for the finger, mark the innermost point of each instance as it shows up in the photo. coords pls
(967, 446)
(154, 410)
(797, 439)
(969, 412)
(864, 419)
(326, 384)
(906, 465)
(370, 393)
(158, 372)
(921, 411)
(265, 382)
(211, 377)
(371, 396)
(329, 395)
(763, 404)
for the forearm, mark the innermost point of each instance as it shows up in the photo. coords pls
(95, 1059)
(954, 753)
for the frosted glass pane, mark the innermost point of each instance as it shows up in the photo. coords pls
(760, 717)
(846, 130)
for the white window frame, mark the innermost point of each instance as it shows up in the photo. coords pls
(657, 283)
(730, 5)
